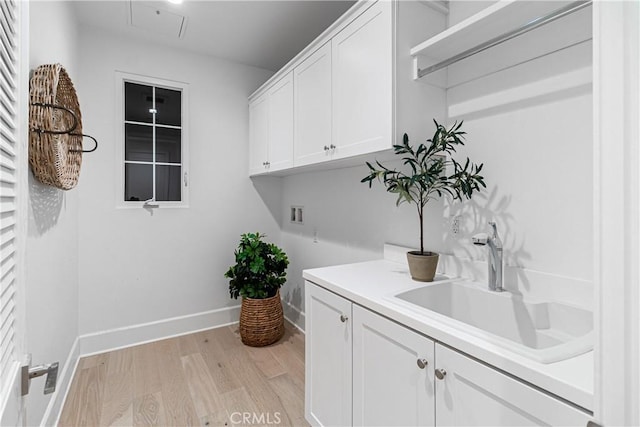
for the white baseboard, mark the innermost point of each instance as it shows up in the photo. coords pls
(51, 415)
(100, 342)
(294, 315)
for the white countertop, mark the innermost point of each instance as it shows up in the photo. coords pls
(370, 284)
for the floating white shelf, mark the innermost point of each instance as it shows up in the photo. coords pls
(506, 17)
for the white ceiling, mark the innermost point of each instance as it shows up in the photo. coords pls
(265, 34)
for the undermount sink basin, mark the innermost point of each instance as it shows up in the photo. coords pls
(544, 331)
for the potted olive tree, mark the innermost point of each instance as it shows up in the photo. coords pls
(257, 276)
(430, 172)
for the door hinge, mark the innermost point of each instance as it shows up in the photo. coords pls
(28, 372)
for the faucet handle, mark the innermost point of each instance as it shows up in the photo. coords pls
(494, 227)
(496, 239)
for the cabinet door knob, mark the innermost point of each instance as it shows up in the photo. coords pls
(440, 373)
(422, 363)
(343, 318)
(326, 148)
(332, 147)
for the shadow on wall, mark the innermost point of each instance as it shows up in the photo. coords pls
(269, 189)
(293, 298)
(46, 204)
(477, 213)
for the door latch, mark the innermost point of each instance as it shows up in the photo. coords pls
(28, 372)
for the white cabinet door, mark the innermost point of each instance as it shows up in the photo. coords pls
(281, 124)
(363, 83)
(312, 82)
(390, 388)
(327, 358)
(472, 393)
(258, 134)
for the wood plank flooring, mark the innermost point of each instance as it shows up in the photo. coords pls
(208, 378)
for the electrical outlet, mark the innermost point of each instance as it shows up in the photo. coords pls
(455, 225)
(296, 215)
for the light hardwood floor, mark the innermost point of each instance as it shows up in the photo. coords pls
(208, 378)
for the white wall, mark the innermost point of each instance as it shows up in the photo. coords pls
(52, 241)
(538, 167)
(136, 266)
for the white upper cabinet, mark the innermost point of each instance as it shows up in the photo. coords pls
(312, 89)
(258, 134)
(281, 124)
(353, 89)
(363, 83)
(271, 128)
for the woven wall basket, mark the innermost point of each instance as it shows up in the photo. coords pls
(55, 145)
(261, 321)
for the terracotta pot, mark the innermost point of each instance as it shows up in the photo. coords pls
(261, 321)
(422, 266)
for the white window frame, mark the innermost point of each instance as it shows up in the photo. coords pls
(121, 79)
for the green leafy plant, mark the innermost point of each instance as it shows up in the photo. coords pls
(259, 270)
(426, 177)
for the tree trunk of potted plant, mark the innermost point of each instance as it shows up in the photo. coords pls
(422, 265)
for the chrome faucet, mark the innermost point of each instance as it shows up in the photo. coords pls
(495, 256)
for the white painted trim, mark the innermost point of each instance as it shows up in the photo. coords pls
(292, 312)
(616, 211)
(113, 339)
(12, 404)
(52, 413)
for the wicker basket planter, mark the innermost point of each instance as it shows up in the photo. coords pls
(261, 321)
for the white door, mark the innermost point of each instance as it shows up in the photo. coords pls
(258, 134)
(13, 178)
(363, 83)
(327, 358)
(281, 124)
(392, 373)
(470, 393)
(312, 80)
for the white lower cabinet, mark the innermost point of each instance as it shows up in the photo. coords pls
(327, 358)
(364, 369)
(471, 393)
(392, 373)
